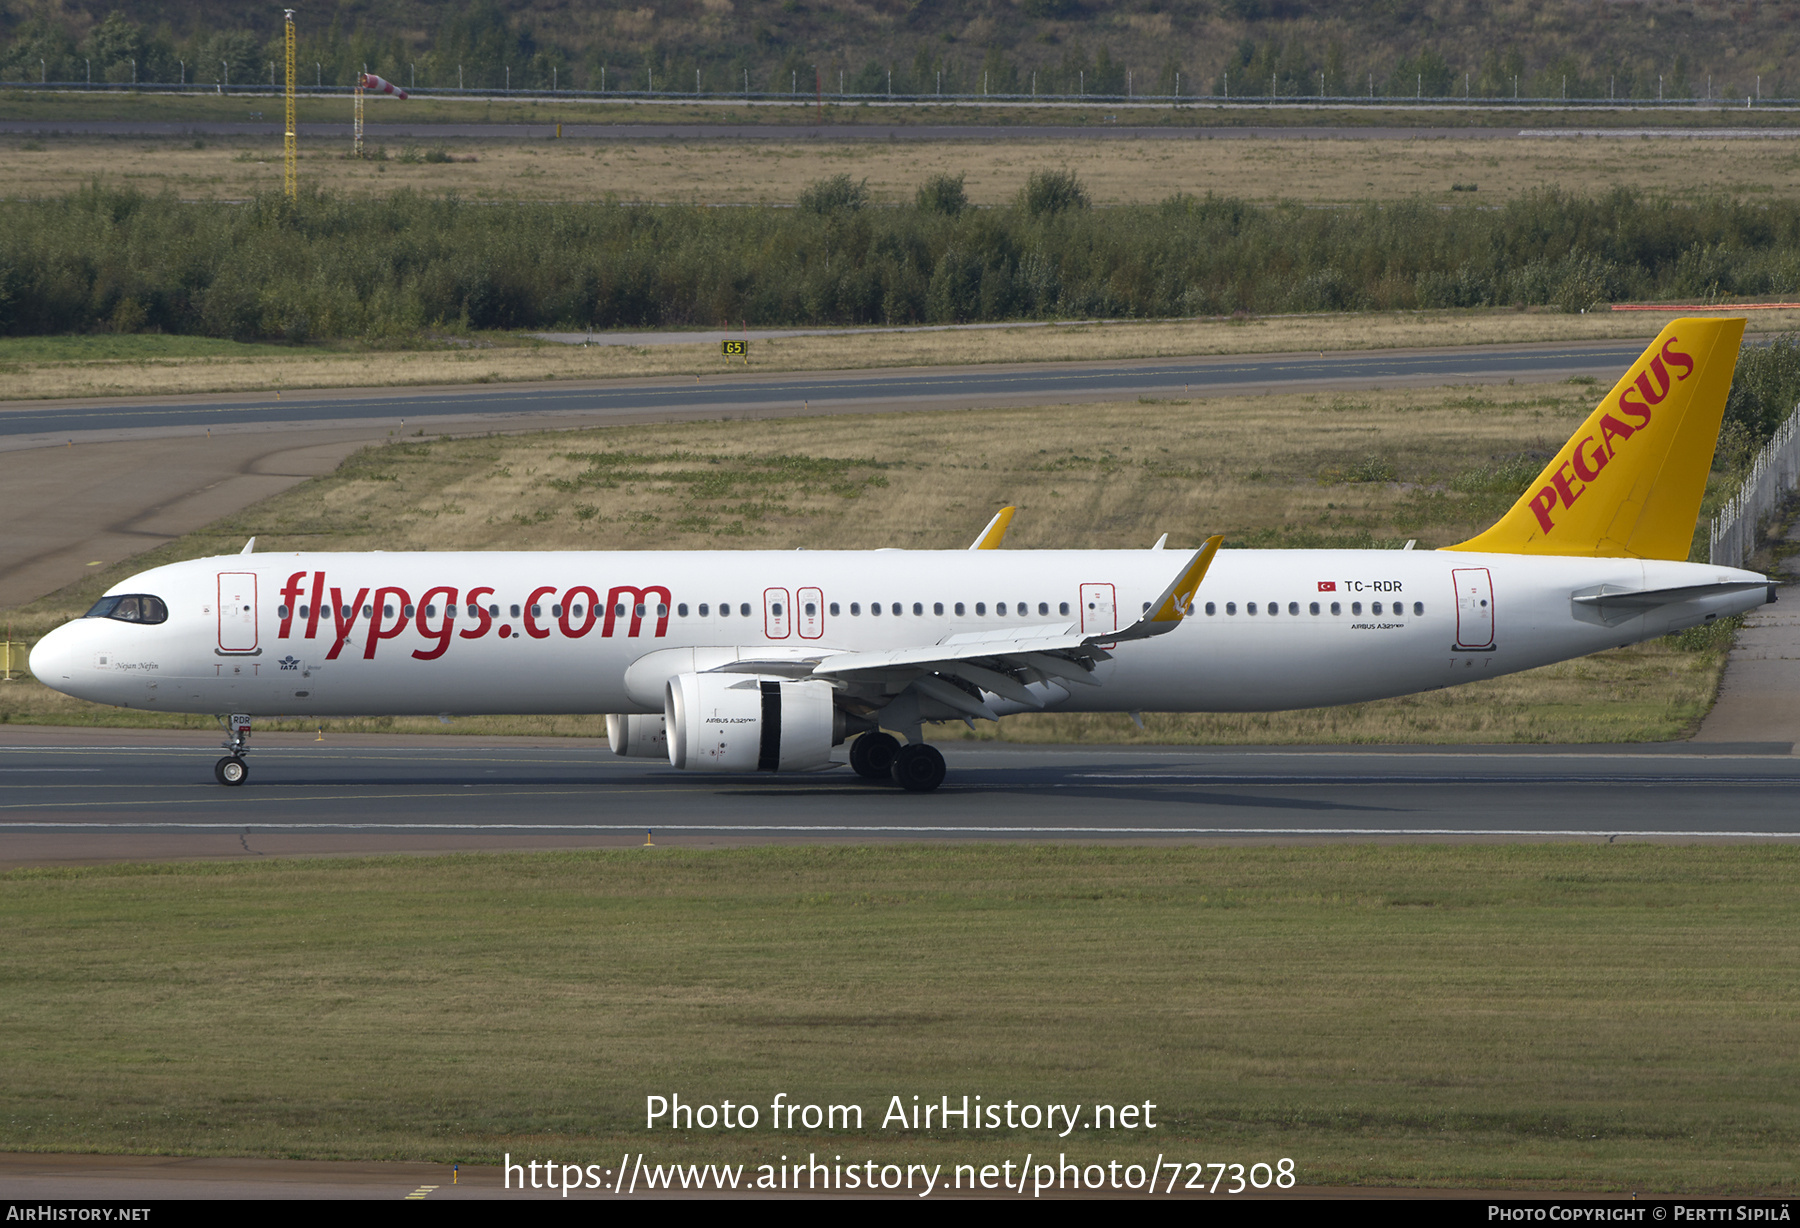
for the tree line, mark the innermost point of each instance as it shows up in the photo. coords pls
(331, 267)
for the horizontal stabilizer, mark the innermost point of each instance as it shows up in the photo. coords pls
(1613, 604)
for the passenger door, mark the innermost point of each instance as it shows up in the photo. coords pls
(237, 611)
(1474, 609)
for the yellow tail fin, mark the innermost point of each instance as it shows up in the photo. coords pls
(1629, 483)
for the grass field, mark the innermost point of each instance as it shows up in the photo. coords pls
(1326, 171)
(1355, 470)
(1578, 1017)
(108, 365)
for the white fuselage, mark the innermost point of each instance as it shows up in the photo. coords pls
(355, 634)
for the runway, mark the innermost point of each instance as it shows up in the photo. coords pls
(71, 796)
(838, 391)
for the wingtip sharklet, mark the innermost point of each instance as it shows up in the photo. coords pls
(995, 533)
(1177, 601)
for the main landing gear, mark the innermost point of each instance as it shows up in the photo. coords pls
(917, 768)
(232, 770)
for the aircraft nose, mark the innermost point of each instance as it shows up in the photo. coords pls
(53, 658)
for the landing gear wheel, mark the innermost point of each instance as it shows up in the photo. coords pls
(872, 756)
(231, 770)
(918, 768)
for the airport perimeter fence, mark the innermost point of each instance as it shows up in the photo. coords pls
(1734, 531)
(803, 95)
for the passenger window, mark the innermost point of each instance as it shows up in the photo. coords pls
(556, 610)
(1356, 607)
(1274, 607)
(680, 610)
(1249, 607)
(1211, 608)
(1024, 608)
(1063, 608)
(981, 607)
(875, 608)
(281, 611)
(704, 609)
(855, 607)
(1231, 607)
(1000, 607)
(430, 611)
(812, 609)
(775, 608)
(724, 609)
(1336, 608)
(368, 611)
(918, 609)
(1313, 608)
(515, 611)
(577, 611)
(744, 608)
(1375, 608)
(493, 611)
(537, 611)
(833, 608)
(638, 610)
(1419, 607)
(895, 607)
(1294, 607)
(662, 611)
(937, 607)
(959, 609)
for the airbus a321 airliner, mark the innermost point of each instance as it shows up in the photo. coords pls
(765, 661)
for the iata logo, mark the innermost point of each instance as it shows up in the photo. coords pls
(289, 662)
(440, 615)
(1592, 453)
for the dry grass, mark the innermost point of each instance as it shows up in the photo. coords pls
(1367, 470)
(264, 369)
(1328, 171)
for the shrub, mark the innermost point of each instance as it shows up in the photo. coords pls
(1051, 192)
(942, 194)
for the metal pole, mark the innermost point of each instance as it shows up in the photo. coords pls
(290, 141)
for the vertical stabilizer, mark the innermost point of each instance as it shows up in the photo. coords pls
(1628, 484)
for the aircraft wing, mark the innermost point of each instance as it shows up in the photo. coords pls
(1005, 661)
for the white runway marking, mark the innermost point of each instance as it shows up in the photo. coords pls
(835, 828)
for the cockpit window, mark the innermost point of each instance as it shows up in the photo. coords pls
(131, 608)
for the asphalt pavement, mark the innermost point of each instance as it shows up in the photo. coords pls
(833, 391)
(79, 796)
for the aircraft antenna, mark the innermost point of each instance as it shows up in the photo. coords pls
(290, 143)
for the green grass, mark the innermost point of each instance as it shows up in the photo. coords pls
(1600, 1017)
(128, 347)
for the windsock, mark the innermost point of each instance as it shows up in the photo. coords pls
(382, 86)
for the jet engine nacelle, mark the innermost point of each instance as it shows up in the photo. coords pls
(749, 723)
(637, 737)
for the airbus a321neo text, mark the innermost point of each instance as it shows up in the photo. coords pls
(767, 661)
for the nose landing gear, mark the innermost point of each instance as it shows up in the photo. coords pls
(232, 770)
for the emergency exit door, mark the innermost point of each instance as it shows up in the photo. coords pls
(1099, 613)
(237, 611)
